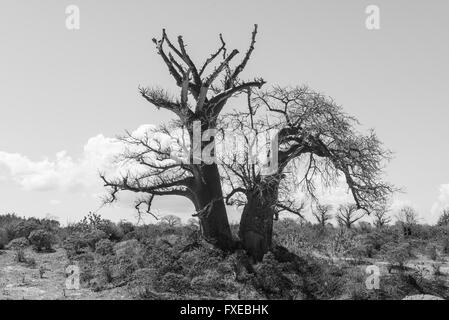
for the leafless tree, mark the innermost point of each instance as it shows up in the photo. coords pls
(407, 218)
(171, 220)
(192, 222)
(204, 91)
(381, 217)
(322, 213)
(317, 143)
(348, 215)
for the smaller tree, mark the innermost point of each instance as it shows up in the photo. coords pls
(322, 213)
(41, 240)
(193, 222)
(3, 238)
(443, 221)
(407, 218)
(381, 217)
(347, 215)
(171, 220)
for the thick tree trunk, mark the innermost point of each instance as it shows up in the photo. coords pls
(256, 224)
(214, 221)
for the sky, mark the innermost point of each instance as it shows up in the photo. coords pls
(65, 94)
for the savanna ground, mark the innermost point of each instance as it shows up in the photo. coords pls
(171, 261)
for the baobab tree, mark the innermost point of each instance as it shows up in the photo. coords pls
(316, 143)
(407, 218)
(381, 217)
(348, 215)
(313, 133)
(201, 99)
(322, 213)
(171, 220)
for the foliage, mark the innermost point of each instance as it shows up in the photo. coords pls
(19, 243)
(42, 240)
(104, 247)
(3, 238)
(443, 220)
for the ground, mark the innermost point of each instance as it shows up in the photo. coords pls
(19, 281)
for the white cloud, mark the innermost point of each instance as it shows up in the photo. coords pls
(63, 172)
(441, 203)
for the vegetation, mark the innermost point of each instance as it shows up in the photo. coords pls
(306, 261)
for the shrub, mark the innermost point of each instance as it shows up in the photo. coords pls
(93, 237)
(25, 228)
(445, 243)
(196, 262)
(75, 244)
(113, 232)
(129, 247)
(270, 279)
(3, 238)
(86, 263)
(398, 254)
(142, 283)
(432, 252)
(41, 240)
(127, 227)
(173, 282)
(19, 243)
(105, 270)
(212, 282)
(104, 247)
(20, 256)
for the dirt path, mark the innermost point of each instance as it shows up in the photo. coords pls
(19, 281)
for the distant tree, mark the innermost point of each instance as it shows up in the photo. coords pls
(364, 226)
(347, 215)
(407, 218)
(322, 213)
(3, 238)
(41, 240)
(381, 217)
(171, 220)
(193, 222)
(443, 221)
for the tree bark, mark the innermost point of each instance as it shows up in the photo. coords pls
(256, 224)
(214, 220)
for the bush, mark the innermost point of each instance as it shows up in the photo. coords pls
(270, 279)
(445, 244)
(19, 243)
(212, 282)
(432, 252)
(3, 238)
(113, 232)
(93, 237)
(141, 284)
(104, 247)
(80, 242)
(127, 227)
(20, 256)
(24, 228)
(75, 244)
(398, 254)
(173, 282)
(41, 240)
